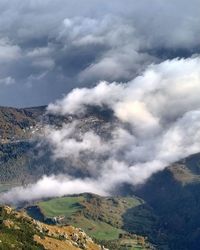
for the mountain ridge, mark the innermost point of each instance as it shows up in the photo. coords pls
(172, 193)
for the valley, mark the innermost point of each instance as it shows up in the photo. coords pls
(160, 214)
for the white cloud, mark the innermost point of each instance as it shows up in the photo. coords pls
(162, 87)
(158, 123)
(50, 186)
(162, 109)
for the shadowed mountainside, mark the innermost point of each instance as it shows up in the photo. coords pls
(174, 194)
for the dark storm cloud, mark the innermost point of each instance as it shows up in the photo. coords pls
(49, 47)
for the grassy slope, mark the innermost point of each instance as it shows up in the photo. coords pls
(101, 218)
(71, 208)
(18, 231)
(61, 206)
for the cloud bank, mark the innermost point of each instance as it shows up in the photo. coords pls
(157, 122)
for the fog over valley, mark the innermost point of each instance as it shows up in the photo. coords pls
(157, 122)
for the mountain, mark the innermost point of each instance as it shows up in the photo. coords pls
(168, 214)
(106, 219)
(19, 231)
(174, 194)
(17, 127)
(21, 160)
(18, 124)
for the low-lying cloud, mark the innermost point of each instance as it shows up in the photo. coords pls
(157, 122)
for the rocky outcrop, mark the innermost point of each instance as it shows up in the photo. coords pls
(19, 231)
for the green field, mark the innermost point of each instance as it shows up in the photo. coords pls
(97, 229)
(102, 218)
(71, 208)
(65, 206)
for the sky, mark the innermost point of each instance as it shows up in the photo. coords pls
(47, 48)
